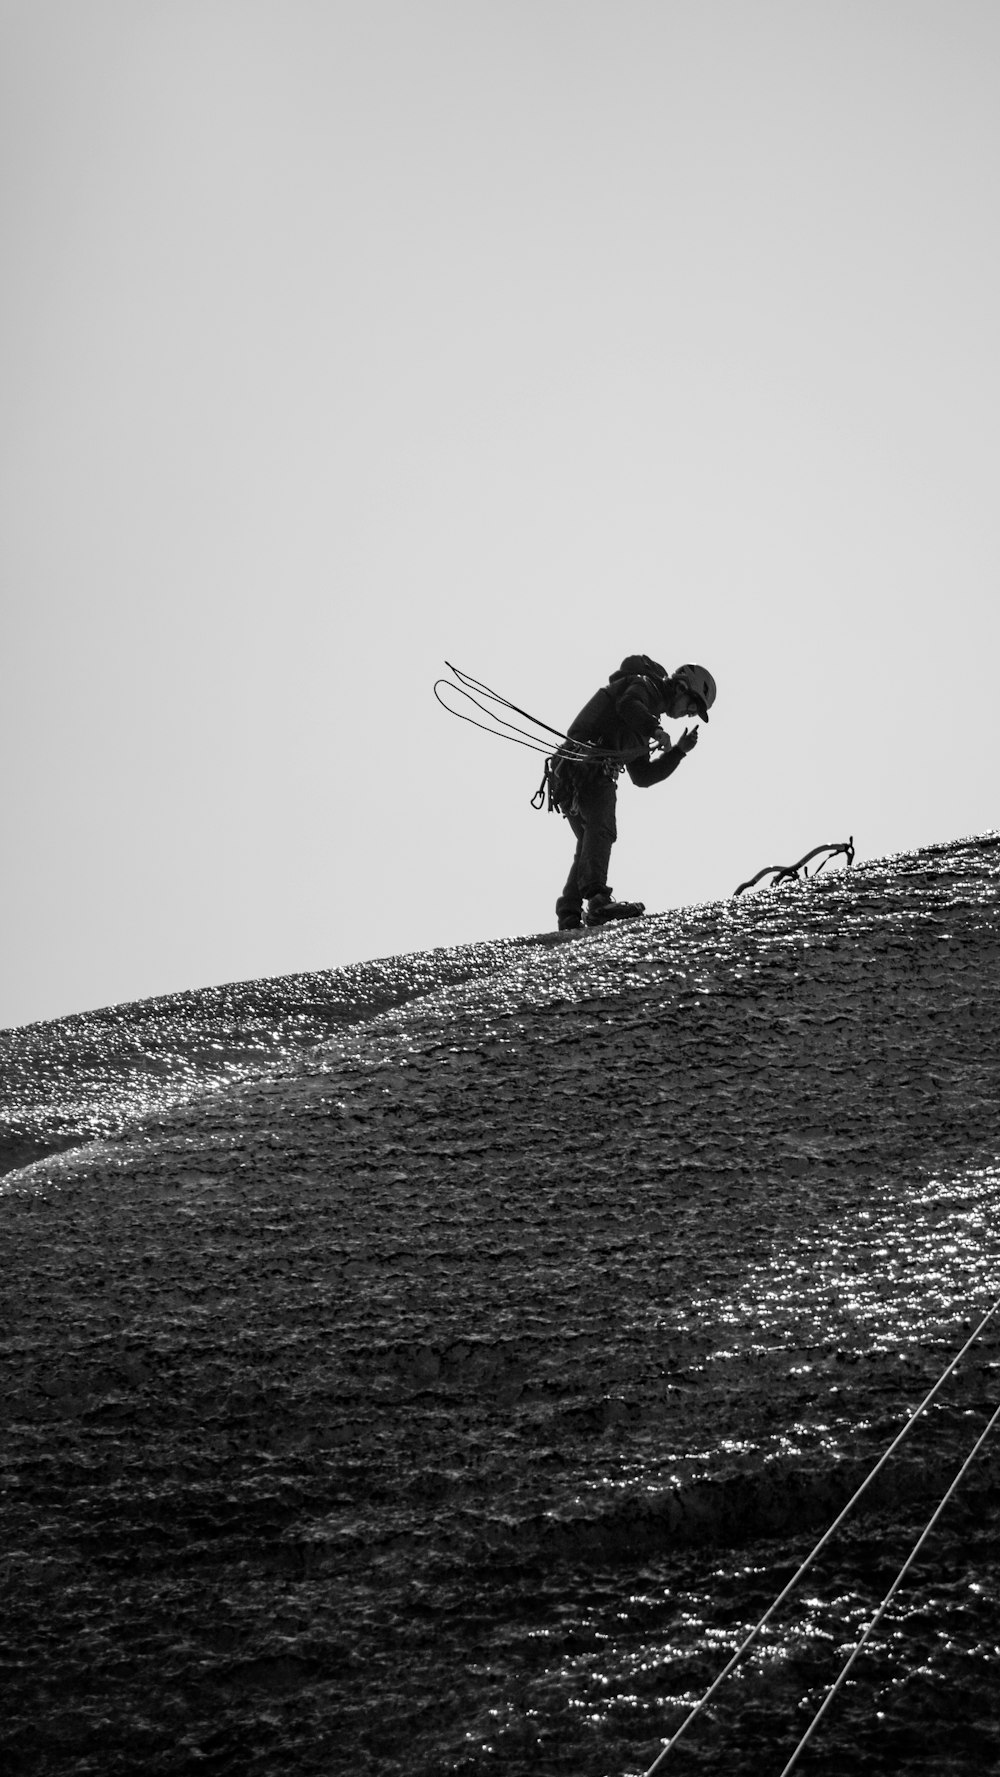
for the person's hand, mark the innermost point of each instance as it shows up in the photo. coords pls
(659, 741)
(688, 741)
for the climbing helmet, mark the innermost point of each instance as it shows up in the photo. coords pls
(700, 685)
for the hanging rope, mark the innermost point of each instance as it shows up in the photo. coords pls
(897, 1582)
(569, 751)
(786, 872)
(520, 736)
(749, 1639)
(467, 686)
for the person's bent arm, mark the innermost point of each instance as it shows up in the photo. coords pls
(646, 772)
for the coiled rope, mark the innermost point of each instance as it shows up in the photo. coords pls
(749, 1639)
(467, 686)
(570, 751)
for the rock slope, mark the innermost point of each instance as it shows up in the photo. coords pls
(444, 1395)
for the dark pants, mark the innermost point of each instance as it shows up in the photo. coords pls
(595, 831)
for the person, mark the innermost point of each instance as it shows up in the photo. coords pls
(621, 721)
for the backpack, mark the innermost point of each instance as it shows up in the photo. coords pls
(638, 666)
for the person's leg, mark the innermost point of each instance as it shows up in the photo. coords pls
(601, 831)
(569, 907)
(597, 808)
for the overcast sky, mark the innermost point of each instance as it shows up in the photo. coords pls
(339, 338)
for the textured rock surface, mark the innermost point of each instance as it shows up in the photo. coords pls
(445, 1396)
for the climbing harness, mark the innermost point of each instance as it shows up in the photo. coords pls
(571, 752)
(762, 1623)
(790, 872)
(566, 775)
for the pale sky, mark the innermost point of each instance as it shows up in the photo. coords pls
(339, 338)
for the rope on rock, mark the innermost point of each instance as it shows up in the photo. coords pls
(749, 1639)
(787, 872)
(897, 1582)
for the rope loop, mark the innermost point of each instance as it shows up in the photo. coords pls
(468, 687)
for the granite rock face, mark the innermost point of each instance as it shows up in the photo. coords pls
(435, 1366)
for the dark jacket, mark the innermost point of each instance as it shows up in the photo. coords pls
(622, 717)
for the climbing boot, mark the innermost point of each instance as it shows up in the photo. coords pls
(570, 922)
(602, 908)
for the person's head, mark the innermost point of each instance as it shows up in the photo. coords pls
(690, 691)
